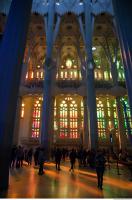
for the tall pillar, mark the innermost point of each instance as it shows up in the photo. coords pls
(45, 136)
(17, 121)
(51, 128)
(123, 14)
(114, 73)
(86, 137)
(122, 136)
(11, 57)
(91, 96)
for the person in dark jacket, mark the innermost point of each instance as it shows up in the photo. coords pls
(36, 154)
(41, 160)
(100, 168)
(13, 156)
(29, 155)
(58, 156)
(72, 159)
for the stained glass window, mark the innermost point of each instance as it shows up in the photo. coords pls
(69, 70)
(36, 118)
(102, 70)
(69, 63)
(33, 73)
(106, 116)
(128, 120)
(73, 120)
(101, 120)
(121, 76)
(68, 118)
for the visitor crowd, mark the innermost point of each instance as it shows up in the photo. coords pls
(86, 158)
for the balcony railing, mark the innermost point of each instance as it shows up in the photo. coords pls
(69, 83)
(34, 83)
(29, 141)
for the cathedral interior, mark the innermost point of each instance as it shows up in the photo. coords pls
(68, 118)
(65, 85)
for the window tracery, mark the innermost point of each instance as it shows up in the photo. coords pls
(68, 118)
(106, 116)
(69, 70)
(36, 117)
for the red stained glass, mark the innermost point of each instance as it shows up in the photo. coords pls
(36, 119)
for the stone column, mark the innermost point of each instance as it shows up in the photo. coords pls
(11, 57)
(114, 73)
(122, 135)
(45, 137)
(51, 122)
(91, 96)
(123, 14)
(17, 121)
(86, 137)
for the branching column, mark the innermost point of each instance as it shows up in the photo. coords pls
(45, 138)
(123, 14)
(17, 121)
(51, 35)
(91, 96)
(51, 127)
(86, 133)
(11, 57)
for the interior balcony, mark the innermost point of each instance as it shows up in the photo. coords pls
(68, 83)
(29, 141)
(31, 83)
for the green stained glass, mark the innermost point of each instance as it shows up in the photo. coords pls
(103, 124)
(115, 123)
(106, 75)
(120, 75)
(125, 99)
(118, 65)
(97, 114)
(120, 69)
(109, 113)
(115, 115)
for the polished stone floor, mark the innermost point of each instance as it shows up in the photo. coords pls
(26, 183)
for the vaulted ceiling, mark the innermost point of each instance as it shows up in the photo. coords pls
(69, 36)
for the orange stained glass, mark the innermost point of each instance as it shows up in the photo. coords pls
(36, 119)
(32, 75)
(22, 110)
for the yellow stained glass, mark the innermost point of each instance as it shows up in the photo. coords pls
(22, 110)
(68, 63)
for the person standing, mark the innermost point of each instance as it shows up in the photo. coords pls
(100, 168)
(41, 160)
(72, 159)
(36, 154)
(58, 156)
(30, 154)
(13, 156)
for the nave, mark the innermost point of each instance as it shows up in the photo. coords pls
(82, 183)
